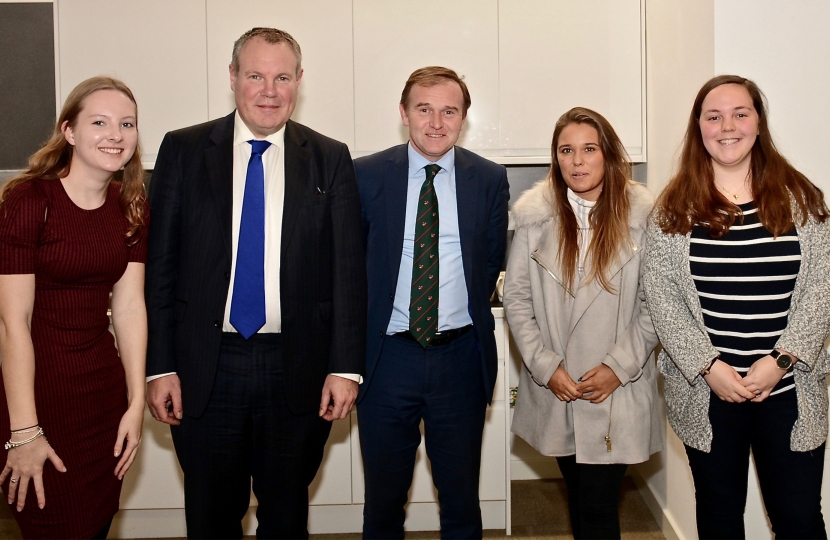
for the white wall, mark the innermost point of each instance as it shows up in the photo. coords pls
(785, 48)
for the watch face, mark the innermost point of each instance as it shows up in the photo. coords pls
(784, 361)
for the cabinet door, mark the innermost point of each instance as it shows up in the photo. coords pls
(559, 54)
(156, 47)
(323, 28)
(393, 38)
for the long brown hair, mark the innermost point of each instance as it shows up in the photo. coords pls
(609, 217)
(691, 196)
(54, 159)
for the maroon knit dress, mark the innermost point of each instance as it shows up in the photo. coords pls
(76, 256)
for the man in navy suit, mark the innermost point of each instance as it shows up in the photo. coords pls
(435, 221)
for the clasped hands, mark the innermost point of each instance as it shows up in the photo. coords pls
(595, 386)
(729, 386)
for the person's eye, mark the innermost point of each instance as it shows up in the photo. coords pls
(449, 113)
(98, 123)
(713, 118)
(590, 149)
(255, 77)
(128, 125)
(564, 150)
(423, 110)
(284, 79)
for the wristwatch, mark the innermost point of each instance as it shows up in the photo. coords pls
(783, 361)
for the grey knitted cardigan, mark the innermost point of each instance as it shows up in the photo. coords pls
(676, 313)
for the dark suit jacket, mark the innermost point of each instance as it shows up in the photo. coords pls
(482, 194)
(322, 269)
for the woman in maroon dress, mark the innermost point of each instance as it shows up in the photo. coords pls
(69, 235)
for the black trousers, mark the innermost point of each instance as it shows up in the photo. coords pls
(248, 432)
(443, 386)
(790, 481)
(593, 497)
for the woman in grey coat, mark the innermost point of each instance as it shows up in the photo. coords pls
(738, 283)
(575, 305)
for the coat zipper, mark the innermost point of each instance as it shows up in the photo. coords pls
(616, 336)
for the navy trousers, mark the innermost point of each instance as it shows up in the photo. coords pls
(790, 481)
(248, 438)
(443, 386)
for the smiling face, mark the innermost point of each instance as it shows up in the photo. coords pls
(434, 116)
(266, 86)
(729, 126)
(104, 135)
(580, 160)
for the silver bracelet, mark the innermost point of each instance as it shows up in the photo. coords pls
(11, 445)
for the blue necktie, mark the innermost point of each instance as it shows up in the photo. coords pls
(248, 304)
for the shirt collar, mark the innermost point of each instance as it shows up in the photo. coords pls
(576, 199)
(417, 161)
(241, 133)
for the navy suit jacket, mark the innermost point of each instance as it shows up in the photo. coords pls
(482, 194)
(322, 278)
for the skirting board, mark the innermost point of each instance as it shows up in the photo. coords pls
(166, 523)
(664, 519)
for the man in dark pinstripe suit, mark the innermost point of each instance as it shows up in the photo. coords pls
(254, 407)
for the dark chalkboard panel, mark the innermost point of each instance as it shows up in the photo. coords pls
(27, 80)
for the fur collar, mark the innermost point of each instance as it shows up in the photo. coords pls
(535, 206)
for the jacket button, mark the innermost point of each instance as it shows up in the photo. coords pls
(392, 297)
(217, 324)
(381, 334)
(227, 275)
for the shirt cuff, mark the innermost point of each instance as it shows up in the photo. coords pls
(351, 376)
(159, 376)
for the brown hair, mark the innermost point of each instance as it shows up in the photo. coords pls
(270, 35)
(691, 196)
(609, 217)
(432, 75)
(54, 159)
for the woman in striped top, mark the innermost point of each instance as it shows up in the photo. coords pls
(736, 280)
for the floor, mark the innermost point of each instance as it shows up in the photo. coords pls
(539, 512)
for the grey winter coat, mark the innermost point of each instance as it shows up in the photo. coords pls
(675, 309)
(552, 327)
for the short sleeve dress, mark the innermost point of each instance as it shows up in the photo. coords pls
(76, 256)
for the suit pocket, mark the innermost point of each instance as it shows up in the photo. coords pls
(317, 198)
(179, 309)
(325, 310)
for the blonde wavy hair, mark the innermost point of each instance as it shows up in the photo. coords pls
(53, 160)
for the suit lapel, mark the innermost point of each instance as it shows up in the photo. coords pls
(395, 192)
(467, 198)
(297, 161)
(219, 163)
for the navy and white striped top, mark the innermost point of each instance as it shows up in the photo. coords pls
(745, 281)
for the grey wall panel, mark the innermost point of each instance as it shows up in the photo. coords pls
(27, 80)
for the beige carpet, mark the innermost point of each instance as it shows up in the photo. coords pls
(539, 512)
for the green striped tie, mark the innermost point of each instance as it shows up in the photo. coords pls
(423, 307)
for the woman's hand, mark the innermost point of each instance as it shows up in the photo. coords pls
(762, 377)
(562, 386)
(726, 383)
(130, 430)
(26, 463)
(598, 383)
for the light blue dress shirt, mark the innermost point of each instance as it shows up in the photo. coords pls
(453, 310)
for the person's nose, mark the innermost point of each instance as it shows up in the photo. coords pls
(436, 121)
(270, 89)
